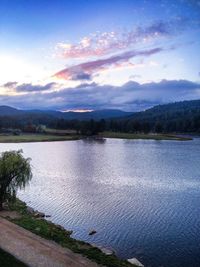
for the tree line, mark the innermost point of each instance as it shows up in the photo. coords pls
(182, 117)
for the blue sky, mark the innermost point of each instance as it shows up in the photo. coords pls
(88, 54)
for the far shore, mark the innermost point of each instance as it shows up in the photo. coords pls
(25, 138)
(150, 136)
(34, 137)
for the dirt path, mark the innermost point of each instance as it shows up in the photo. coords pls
(36, 251)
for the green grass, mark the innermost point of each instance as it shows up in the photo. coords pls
(7, 260)
(35, 138)
(143, 136)
(53, 232)
(57, 131)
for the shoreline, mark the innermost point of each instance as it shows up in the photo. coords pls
(35, 138)
(36, 223)
(159, 137)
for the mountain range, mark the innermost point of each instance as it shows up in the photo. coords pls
(180, 110)
(69, 115)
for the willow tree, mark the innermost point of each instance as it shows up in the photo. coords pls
(15, 173)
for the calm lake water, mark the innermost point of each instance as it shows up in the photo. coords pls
(142, 197)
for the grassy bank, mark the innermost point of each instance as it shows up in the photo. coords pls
(58, 234)
(55, 135)
(144, 136)
(7, 260)
(36, 138)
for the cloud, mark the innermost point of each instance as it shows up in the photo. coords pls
(101, 51)
(131, 96)
(81, 76)
(92, 67)
(28, 87)
(101, 44)
(9, 84)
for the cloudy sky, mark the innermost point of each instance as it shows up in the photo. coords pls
(89, 54)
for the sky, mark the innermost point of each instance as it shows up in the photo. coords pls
(105, 54)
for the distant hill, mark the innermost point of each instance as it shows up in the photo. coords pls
(9, 111)
(168, 111)
(96, 115)
(174, 117)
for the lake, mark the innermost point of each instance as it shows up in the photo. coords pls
(142, 197)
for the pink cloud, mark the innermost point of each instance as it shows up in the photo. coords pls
(91, 67)
(101, 44)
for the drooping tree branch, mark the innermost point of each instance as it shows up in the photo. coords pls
(15, 172)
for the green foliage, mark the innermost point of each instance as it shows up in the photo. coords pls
(15, 172)
(158, 127)
(91, 127)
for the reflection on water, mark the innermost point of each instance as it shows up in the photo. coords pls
(142, 197)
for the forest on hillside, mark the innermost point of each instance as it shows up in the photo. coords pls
(181, 117)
